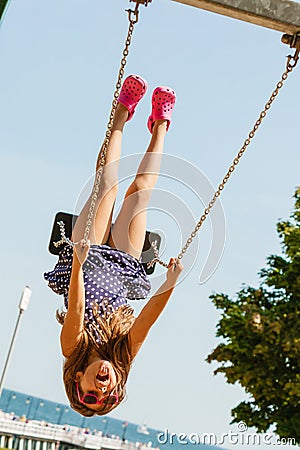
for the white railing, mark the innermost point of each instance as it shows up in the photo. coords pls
(62, 433)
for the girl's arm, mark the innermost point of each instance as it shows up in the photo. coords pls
(74, 319)
(154, 308)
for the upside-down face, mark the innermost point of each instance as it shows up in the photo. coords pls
(98, 379)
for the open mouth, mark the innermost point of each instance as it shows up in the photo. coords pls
(103, 375)
(102, 378)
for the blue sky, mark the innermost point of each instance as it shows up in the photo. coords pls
(59, 62)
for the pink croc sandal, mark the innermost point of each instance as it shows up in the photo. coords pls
(163, 102)
(132, 91)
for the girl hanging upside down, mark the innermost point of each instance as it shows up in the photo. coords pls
(100, 337)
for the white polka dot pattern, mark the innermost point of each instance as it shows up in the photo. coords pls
(110, 277)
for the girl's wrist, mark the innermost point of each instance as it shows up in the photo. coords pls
(170, 283)
(76, 263)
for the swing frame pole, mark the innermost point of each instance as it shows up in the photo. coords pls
(279, 15)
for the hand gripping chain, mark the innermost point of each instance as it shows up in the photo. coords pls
(294, 42)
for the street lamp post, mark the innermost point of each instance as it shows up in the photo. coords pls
(10, 398)
(23, 305)
(105, 421)
(83, 422)
(29, 401)
(61, 410)
(124, 426)
(39, 403)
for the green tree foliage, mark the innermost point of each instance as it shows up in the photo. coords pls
(261, 346)
(3, 4)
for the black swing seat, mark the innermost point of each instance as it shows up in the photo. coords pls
(69, 221)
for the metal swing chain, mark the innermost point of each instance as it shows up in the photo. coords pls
(133, 17)
(291, 63)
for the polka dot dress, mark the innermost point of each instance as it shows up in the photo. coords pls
(110, 276)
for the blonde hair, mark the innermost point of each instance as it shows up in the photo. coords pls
(113, 347)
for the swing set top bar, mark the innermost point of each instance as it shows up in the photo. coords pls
(280, 15)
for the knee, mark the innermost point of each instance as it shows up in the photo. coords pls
(141, 189)
(109, 178)
(107, 189)
(141, 184)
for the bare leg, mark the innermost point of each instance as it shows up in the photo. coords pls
(101, 225)
(128, 232)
